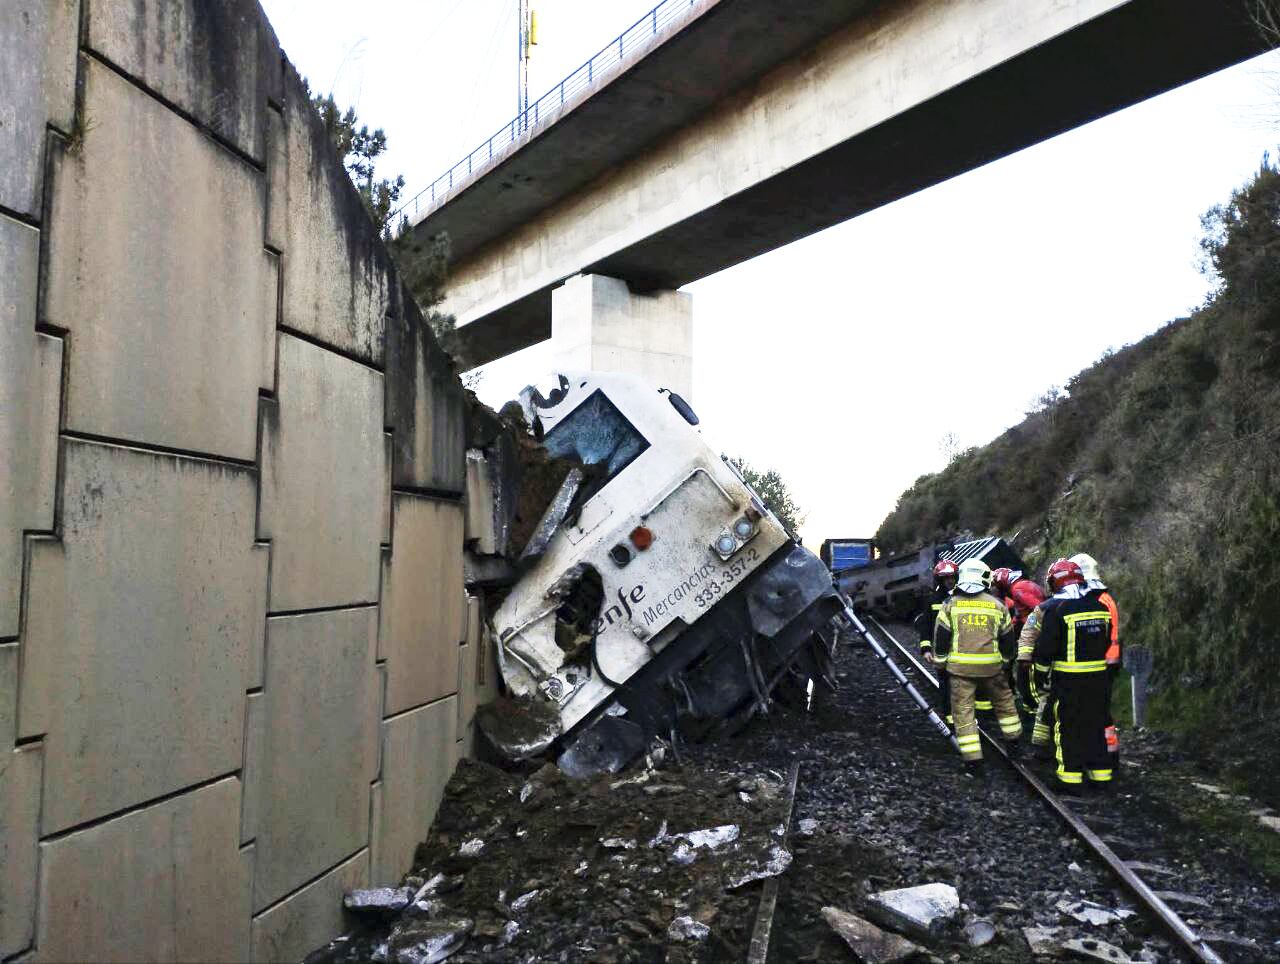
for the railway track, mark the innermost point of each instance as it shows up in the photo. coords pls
(1177, 929)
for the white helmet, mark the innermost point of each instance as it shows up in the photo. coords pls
(1089, 567)
(975, 576)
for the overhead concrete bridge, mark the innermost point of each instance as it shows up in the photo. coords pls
(716, 130)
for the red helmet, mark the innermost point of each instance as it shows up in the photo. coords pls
(1064, 573)
(945, 569)
(1001, 578)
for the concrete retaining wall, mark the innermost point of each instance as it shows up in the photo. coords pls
(237, 664)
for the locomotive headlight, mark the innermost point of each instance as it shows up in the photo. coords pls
(726, 545)
(743, 528)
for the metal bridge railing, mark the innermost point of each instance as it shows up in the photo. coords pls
(547, 108)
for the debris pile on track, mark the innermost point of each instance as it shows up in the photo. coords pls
(887, 806)
(882, 804)
(653, 865)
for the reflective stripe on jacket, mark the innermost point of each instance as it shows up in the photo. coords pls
(1074, 634)
(971, 632)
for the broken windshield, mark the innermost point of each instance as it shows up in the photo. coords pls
(596, 433)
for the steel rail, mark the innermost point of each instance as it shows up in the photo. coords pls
(758, 950)
(1189, 940)
(882, 654)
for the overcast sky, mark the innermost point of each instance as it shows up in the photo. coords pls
(839, 359)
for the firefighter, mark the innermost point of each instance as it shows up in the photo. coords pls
(1034, 694)
(1022, 596)
(1071, 648)
(973, 638)
(1098, 590)
(944, 583)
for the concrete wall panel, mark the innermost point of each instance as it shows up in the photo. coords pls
(38, 77)
(8, 694)
(189, 643)
(293, 928)
(251, 776)
(205, 58)
(319, 733)
(418, 755)
(426, 406)
(19, 825)
(277, 180)
(140, 621)
(337, 279)
(156, 268)
(164, 883)
(30, 379)
(323, 475)
(427, 618)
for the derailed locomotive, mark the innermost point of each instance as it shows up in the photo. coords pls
(898, 585)
(662, 595)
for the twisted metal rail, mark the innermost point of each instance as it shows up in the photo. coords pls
(625, 48)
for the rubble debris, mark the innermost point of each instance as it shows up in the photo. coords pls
(744, 868)
(869, 943)
(807, 827)
(471, 848)
(509, 932)
(1177, 899)
(588, 902)
(713, 838)
(377, 900)
(683, 855)
(419, 941)
(923, 911)
(1095, 950)
(687, 929)
(1149, 870)
(1087, 912)
(524, 900)
(617, 843)
(979, 932)
(555, 513)
(1043, 941)
(438, 884)
(1270, 822)
(519, 728)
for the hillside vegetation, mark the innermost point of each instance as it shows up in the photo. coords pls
(1162, 460)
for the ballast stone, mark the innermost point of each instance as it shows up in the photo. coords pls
(923, 911)
(868, 942)
(687, 929)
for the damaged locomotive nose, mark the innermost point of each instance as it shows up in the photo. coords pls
(654, 594)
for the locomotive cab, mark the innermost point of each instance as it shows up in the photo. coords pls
(669, 595)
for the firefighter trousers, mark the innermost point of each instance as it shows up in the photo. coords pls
(964, 693)
(944, 697)
(1079, 714)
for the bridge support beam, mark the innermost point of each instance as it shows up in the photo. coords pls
(598, 323)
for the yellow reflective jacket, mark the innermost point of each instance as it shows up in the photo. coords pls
(973, 635)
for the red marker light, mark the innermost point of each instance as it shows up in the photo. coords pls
(641, 538)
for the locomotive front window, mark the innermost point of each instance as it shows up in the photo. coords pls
(596, 433)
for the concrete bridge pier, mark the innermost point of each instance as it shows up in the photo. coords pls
(598, 323)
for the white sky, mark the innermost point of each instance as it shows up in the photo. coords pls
(839, 359)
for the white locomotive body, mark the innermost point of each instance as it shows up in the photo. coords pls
(667, 591)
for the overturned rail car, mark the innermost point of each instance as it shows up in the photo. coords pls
(659, 594)
(896, 586)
